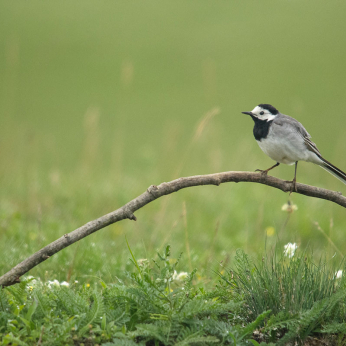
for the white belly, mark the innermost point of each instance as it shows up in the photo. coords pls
(286, 150)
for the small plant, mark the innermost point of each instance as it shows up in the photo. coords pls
(159, 305)
(301, 295)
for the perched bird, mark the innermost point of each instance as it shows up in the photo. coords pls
(285, 140)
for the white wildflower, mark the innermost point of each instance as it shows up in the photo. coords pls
(290, 249)
(289, 207)
(179, 277)
(182, 276)
(175, 275)
(33, 282)
(50, 284)
(338, 274)
(64, 283)
(143, 262)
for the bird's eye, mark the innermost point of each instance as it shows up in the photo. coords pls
(262, 113)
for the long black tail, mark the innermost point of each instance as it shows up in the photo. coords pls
(338, 173)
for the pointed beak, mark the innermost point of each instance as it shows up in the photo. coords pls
(248, 113)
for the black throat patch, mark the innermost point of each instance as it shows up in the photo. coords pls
(261, 128)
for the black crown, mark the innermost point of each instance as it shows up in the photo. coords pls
(270, 108)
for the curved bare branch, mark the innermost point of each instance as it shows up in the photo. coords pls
(152, 193)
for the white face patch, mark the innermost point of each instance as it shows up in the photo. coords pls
(266, 114)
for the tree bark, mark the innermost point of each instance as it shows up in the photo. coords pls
(152, 193)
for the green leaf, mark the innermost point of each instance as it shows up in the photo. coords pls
(133, 257)
(31, 310)
(104, 322)
(252, 326)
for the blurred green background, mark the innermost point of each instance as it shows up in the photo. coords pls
(100, 99)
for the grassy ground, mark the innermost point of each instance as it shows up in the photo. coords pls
(286, 300)
(97, 102)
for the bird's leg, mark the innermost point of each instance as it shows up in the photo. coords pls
(265, 172)
(294, 185)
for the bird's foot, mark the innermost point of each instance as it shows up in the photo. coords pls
(293, 186)
(264, 172)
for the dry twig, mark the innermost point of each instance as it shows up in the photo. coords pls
(152, 193)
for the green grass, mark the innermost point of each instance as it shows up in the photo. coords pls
(99, 101)
(282, 284)
(97, 104)
(159, 305)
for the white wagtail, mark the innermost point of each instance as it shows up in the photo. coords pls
(285, 140)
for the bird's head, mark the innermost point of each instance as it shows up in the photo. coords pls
(263, 112)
